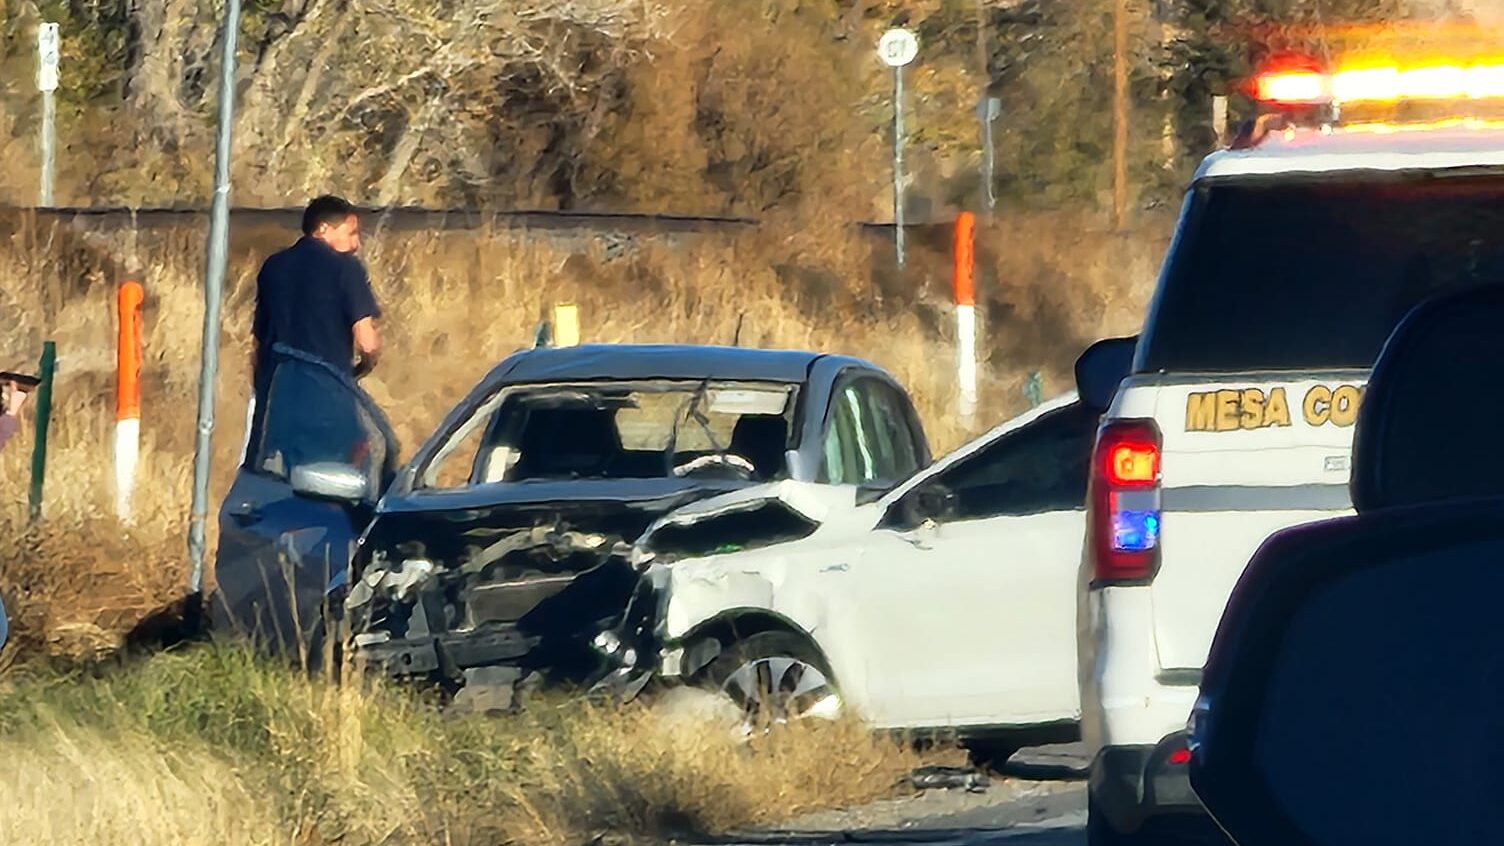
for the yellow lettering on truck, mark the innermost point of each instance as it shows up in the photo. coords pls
(1230, 410)
(1337, 406)
(1201, 413)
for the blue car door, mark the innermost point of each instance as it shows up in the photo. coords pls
(283, 550)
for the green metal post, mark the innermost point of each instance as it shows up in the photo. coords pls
(43, 414)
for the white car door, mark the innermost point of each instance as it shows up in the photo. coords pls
(967, 587)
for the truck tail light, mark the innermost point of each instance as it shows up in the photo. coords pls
(1124, 509)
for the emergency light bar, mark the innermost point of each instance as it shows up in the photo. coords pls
(1381, 84)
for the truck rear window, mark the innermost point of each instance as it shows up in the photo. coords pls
(1315, 273)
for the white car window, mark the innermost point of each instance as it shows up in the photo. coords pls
(843, 465)
(1042, 467)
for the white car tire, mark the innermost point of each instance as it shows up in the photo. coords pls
(773, 678)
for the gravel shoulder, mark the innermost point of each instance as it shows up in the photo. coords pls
(1040, 799)
(1007, 803)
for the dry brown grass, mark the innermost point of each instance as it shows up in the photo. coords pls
(214, 747)
(72, 786)
(459, 301)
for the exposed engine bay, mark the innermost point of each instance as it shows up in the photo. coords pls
(544, 604)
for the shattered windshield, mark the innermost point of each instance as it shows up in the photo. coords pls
(627, 430)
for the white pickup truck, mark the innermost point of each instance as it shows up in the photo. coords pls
(1296, 255)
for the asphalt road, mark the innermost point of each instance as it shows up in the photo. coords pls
(1011, 812)
(1039, 801)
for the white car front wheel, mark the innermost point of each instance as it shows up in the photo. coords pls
(774, 678)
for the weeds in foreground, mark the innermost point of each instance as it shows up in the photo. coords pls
(213, 745)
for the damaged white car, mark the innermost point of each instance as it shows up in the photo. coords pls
(945, 603)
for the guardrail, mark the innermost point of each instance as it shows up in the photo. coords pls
(403, 218)
(400, 218)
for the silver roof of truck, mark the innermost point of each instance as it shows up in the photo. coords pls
(1375, 148)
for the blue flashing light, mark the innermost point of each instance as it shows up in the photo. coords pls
(1135, 531)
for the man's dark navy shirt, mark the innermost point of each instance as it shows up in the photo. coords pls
(309, 297)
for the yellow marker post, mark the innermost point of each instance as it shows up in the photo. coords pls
(566, 325)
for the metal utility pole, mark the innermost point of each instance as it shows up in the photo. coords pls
(214, 281)
(1120, 114)
(48, 44)
(898, 48)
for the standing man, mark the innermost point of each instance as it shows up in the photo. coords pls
(316, 298)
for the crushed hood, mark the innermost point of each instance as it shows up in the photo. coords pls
(651, 495)
(809, 502)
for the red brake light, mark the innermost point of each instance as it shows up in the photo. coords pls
(1124, 506)
(1132, 463)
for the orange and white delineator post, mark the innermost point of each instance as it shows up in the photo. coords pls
(128, 396)
(964, 289)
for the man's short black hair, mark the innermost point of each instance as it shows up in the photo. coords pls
(326, 209)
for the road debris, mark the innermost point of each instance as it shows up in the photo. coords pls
(937, 777)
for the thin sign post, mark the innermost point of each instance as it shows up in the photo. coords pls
(898, 48)
(48, 47)
(214, 281)
(989, 109)
(43, 414)
(1219, 119)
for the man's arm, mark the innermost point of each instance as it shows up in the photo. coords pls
(368, 343)
(362, 312)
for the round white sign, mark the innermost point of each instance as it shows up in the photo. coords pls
(47, 53)
(898, 47)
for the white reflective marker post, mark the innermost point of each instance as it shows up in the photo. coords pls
(127, 394)
(964, 290)
(898, 48)
(48, 45)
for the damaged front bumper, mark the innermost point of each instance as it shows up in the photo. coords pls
(538, 605)
(497, 605)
